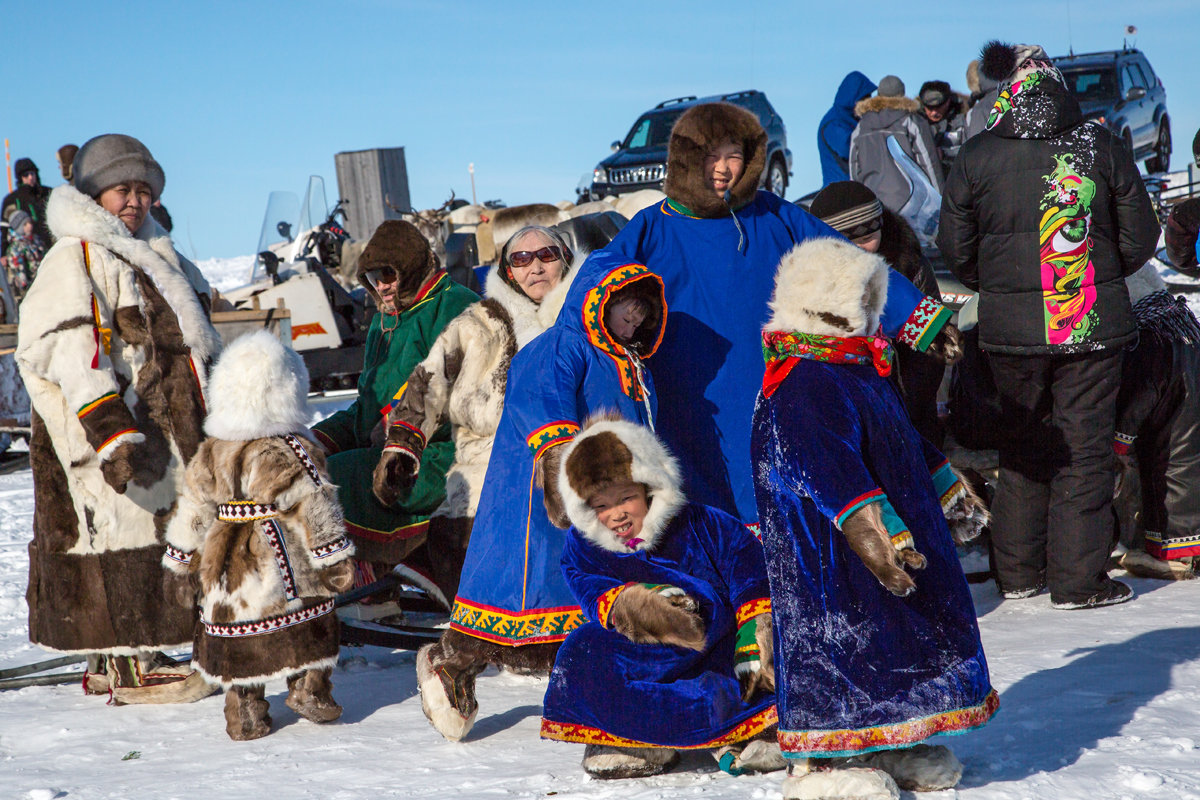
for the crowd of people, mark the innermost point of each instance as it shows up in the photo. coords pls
(695, 473)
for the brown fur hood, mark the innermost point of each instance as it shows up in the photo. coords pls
(700, 129)
(398, 244)
(886, 103)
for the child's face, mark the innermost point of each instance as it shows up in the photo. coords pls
(27, 229)
(623, 319)
(622, 508)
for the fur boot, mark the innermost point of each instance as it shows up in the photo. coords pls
(922, 768)
(759, 755)
(1141, 564)
(604, 762)
(152, 678)
(850, 783)
(246, 713)
(447, 695)
(310, 694)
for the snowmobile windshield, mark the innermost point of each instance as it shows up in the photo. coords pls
(279, 230)
(313, 210)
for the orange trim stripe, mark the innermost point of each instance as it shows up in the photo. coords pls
(751, 609)
(570, 732)
(92, 406)
(114, 437)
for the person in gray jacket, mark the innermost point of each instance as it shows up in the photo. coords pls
(984, 91)
(891, 114)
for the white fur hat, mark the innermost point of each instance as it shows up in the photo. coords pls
(259, 387)
(829, 287)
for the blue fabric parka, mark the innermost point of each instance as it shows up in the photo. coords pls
(835, 128)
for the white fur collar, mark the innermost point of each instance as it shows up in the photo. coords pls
(258, 387)
(1144, 282)
(829, 287)
(72, 214)
(530, 319)
(652, 465)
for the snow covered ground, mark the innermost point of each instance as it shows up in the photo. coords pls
(1094, 705)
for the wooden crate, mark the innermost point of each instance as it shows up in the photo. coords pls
(375, 182)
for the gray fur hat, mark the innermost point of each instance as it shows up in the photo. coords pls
(17, 219)
(114, 158)
(891, 86)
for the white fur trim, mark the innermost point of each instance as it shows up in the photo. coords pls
(320, 663)
(854, 783)
(438, 709)
(72, 214)
(258, 388)
(830, 276)
(530, 319)
(1145, 281)
(110, 447)
(653, 465)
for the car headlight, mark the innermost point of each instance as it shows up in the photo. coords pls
(599, 175)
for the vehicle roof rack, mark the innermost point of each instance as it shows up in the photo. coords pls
(675, 100)
(1113, 54)
(735, 95)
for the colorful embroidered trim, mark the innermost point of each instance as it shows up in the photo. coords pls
(110, 440)
(425, 292)
(798, 744)
(101, 335)
(924, 323)
(902, 540)
(947, 485)
(177, 555)
(236, 629)
(274, 536)
(752, 608)
(747, 657)
(585, 734)
(92, 406)
(549, 435)
(680, 209)
(594, 305)
(1178, 547)
(245, 511)
(413, 429)
(1122, 443)
(872, 496)
(896, 528)
(873, 350)
(310, 466)
(605, 603)
(333, 548)
(396, 534)
(533, 626)
(754, 528)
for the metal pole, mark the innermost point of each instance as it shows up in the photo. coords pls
(470, 169)
(7, 165)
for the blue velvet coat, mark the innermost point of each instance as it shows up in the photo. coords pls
(512, 590)
(709, 364)
(606, 689)
(857, 668)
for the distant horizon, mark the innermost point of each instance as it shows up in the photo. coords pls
(238, 100)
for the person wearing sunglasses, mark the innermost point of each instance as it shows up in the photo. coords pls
(463, 379)
(416, 300)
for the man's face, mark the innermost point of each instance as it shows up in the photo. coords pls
(29, 178)
(936, 113)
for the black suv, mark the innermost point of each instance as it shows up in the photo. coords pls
(640, 161)
(1118, 89)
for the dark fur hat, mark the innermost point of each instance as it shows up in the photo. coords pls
(398, 244)
(700, 129)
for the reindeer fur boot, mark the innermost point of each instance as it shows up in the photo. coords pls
(246, 713)
(447, 694)
(604, 762)
(848, 783)
(310, 694)
(921, 768)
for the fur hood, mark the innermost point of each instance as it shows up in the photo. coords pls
(258, 388)
(71, 214)
(700, 129)
(886, 103)
(610, 450)
(529, 319)
(829, 287)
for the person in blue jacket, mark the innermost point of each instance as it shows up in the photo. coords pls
(677, 650)
(835, 128)
(513, 607)
(716, 241)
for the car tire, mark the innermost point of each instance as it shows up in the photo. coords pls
(1127, 138)
(776, 182)
(1161, 160)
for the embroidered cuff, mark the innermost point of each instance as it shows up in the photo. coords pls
(873, 496)
(746, 654)
(176, 560)
(605, 603)
(339, 545)
(1122, 443)
(926, 320)
(752, 608)
(550, 435)
(901, 537)
(107, 421)
(948, 487)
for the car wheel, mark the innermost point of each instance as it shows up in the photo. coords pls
(776, 182)
(1127, 137)
(1161, 160)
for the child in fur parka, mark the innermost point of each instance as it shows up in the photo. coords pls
(259, 533)
(870, 662)
(677, 652)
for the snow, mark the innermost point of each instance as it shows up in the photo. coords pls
(1094, 704)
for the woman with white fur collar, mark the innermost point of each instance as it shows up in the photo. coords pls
(677, 652)
(114, 345)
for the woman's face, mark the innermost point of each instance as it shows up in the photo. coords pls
(724, 166)
(870, 242)
(538, 277)
(129, 202)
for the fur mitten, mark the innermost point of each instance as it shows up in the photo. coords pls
(338, 577)
(947, 345)
(400, 463)
(868, 537)
(965, 511)
(546, 475)
(118, 469)
(754, 656)
(657, 614)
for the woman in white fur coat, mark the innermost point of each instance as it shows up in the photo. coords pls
(259, 532)
(114, 345)
(463, 379)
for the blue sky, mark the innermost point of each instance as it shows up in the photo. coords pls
(239, 99)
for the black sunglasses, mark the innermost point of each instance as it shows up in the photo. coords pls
(523, 258)
(381, 275)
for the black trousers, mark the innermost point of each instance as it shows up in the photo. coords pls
(1052, 516)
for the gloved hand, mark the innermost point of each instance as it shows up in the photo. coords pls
(657, 614)
(337, 577)
(118, 468)
(399, 465)
(754, 656)
(947, 345)
(869, 539)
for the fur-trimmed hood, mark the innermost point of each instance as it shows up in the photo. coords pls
(611, 450)
(696, 133)
(886, 104)
(72, 214)
(257, 388)
(529, 319)
(829, 287)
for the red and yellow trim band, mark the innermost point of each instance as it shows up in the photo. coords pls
(752, 608)
(585, 734)
(109, 441)
(873, 496)
(605, 603)
(92, 406)
(514, 628)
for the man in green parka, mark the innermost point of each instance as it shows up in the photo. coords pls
(416, 299)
